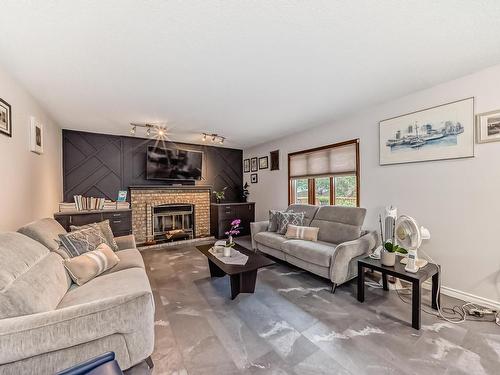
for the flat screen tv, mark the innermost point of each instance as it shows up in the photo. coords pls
(173, 164)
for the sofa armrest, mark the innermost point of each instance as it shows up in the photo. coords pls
(30, 335)
(126, 242)
(257, 227)
(346, 251)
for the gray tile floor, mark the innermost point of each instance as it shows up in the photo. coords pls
(294, 325)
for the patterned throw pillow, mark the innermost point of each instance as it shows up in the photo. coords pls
(81, 241)
(85, 267)
(285, 218)
(302, 233)
(273, 221)
(105, 229)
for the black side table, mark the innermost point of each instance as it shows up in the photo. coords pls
(416, 279)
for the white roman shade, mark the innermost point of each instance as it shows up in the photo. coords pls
(325, 162)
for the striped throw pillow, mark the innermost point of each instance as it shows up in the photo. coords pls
(85, 267)
(302, 233)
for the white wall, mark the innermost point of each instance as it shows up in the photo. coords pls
(458, 200)
(30, 184)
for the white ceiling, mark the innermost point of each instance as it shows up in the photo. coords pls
(249, 70)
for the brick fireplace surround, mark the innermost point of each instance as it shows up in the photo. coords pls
(144, 198)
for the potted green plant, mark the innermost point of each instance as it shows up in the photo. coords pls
(220, 195)
(245, 193)
(388, 254)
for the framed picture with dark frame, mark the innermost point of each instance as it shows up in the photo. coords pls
(254, 178)
(275, 160)
(263, 162)
(246, 165)
(5, 118)
(253, 165)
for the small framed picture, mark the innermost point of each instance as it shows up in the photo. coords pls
(253, 178)
(246, 165)
(122, 196)
(264, 162)
(253, 165)
(488, 127)
(5, 118)
(275, 160)
(36, 136)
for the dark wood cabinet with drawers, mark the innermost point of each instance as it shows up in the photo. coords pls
(119, 220)
(221, 215)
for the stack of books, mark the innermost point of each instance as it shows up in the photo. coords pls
(88, 203)
(122, 205)
(67, 207)
(109, 205)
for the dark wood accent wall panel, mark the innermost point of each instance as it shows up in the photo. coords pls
(99, 165)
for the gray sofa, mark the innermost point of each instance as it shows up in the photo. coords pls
(48, 323)
(341, 242)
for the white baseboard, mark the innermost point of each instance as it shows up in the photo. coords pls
(464, 296)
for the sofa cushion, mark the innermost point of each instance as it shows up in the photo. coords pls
(85, 267)
(286, 218)
(32, 279)
(319, 253)
(82, 240)
(46, 231)
(105, 228)
(309, 211)
(270, 239)
(339, 224)
(273, 221)
(302, 233)
(129, 258)
(125, 282)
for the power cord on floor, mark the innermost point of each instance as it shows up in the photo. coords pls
(458, 312)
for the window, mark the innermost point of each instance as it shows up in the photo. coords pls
(322, 190)
(326, 175)
(300, 190)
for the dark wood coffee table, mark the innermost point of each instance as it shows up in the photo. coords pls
(243, 278)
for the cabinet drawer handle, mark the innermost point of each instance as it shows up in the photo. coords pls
(117, 215)
(117, 221)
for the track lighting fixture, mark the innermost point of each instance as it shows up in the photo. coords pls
(159, 131)
(214, 137)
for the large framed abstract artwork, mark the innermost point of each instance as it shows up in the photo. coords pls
(442, 132)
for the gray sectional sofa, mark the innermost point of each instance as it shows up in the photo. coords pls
(341, 242)
(48, 323)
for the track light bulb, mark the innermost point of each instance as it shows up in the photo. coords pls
(221, 140)
(204, 137)
(161, 132)
(132, 131)
(148, 132)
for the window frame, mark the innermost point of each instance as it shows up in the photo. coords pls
(311, 183)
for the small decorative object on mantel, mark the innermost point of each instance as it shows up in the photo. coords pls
(245, 193)
(253, 165)
(246, 165)
(220, 195)
(36, 136)
(263, 162)
(253, 178)
(442, 132)
(488, 127)
(5, 118)
(122, 196)
(275, 160)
